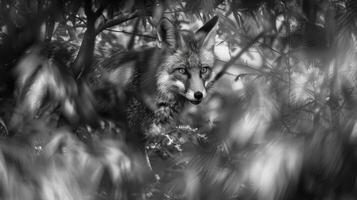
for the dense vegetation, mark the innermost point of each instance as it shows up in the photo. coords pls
(279, 122)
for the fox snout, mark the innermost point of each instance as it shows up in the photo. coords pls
(196, 90)
(195, 97)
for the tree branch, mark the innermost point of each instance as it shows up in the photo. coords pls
(233, 60)
(115, 22)
(81, 19)
(122, 19)
(131, 33)
(100, 10)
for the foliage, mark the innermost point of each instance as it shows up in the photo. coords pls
(279, 122)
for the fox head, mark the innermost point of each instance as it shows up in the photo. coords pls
(189, 60)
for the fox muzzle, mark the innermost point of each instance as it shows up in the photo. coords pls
(196, 90)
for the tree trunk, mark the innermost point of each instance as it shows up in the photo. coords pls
(85, 54)
(50, 25)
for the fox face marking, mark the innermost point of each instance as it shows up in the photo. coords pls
(188, 75)
(189, 62)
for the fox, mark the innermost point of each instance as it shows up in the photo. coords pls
(158, 82)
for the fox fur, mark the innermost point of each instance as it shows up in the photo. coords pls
(157, 82)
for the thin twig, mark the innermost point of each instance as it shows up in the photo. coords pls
(264, 45)
(100, 10)
(235, 58)
(126, 32)
(122, 19)
(115, 22)
(147, 159)
(80, 19)
(174, 11)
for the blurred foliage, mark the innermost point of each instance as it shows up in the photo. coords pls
(279, 124)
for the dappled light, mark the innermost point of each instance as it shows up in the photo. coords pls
(109, 100)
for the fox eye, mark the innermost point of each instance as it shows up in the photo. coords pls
(181, 70)
(204, 70)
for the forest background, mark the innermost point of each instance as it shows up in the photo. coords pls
(279, 122)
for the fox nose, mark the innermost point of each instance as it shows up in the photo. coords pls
(198, 95)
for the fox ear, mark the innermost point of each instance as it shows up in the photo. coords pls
(167, 34)
(205, 36)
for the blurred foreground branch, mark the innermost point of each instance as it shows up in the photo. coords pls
(235, 58)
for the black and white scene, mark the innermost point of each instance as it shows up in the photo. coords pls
(178, 100)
